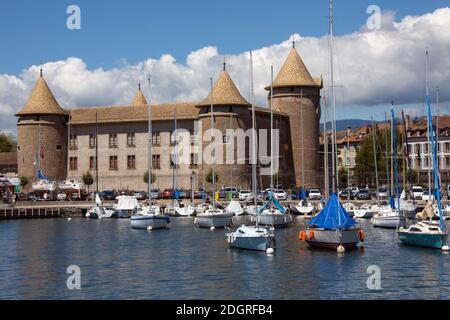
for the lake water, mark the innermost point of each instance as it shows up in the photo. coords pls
(185, 262)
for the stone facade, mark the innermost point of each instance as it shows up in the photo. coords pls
(69, 145)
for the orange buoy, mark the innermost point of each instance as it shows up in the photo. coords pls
(311, 234)
(300, 235)
(361, 235)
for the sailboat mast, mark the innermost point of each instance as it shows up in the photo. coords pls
(392, 153)
(303, 141)
(325, 151)
(387, 152)
(68, 146)
(253, 136)
(174, 161)
(271, 128)
(437, 131)
(428, 125)
(394, 147)
(150, 143)
(214, 151)
(96, 152)
(375, 158)
(333, 99)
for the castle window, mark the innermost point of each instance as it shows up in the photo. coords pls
(173, 160)
(225, 139)
(73, 163)
(58, 147)
(131, 162)
(113, 140)
(447, 147)
(131, 140)
(92, 163)
(292, 89)
(113, 163)
(73, 142)
(447, 162)
(156, 161)
(156, 138)
(92, 141)
(18, 148)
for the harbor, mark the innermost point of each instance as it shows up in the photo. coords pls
(192, 263)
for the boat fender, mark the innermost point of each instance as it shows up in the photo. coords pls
(445, 248)
(361, 235)
(340, 249)
(311, 235)
(300, 235)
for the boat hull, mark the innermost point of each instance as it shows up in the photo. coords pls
(436, 241)
(152, 221)
(275, 220)
(214, 221)
(389, 222)
(252, 243)
(332, 239)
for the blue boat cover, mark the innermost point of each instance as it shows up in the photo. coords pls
(276, 203)
(40, 176)
(333, 216)
(392, 202)
(302, 194)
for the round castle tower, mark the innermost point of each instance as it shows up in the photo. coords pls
(42, 135)
(297, 94)
(230, 112)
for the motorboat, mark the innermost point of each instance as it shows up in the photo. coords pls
(126, 207)
(214, 218)
(424, 234)
(71, 186)
(149, 218)
(391, 219)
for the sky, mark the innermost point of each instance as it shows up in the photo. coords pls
(182, 44)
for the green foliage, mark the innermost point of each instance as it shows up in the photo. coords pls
(88, 180)
(411, 176)
(365, 167)
(153, 178)
(7, 143)
(23, 181)
(209, 177)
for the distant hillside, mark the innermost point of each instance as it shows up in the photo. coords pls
(343, 124)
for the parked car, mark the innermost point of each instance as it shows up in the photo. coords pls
(244, 195)
(33, 196)
(428, 195)
(109, 195)
(140, 195)
(167, 194)
(155, 194)
(351, 191)
(223, 193)
(417, 192)
(184, 194)
(199, 193)
(364, 194)
(383, 193)
(61, 196)
(315, 194)
(280, 194)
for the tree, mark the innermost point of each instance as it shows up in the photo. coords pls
(209, 177)
(88, 180)
(411, 176)
(342, 178)
(7, 143)
(365, 167)
(23, 181)
(153, 178)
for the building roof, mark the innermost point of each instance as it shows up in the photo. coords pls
(133, 113)
(139, 98)
(224, 92)
(41, 101)
(294, 73)
(8, 159)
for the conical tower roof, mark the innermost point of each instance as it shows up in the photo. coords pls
(294, 73)
(41, 101)
(139, 98)
(224, 92)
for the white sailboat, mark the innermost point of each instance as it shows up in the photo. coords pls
(150, 217)
(391, 217)
(99, 211)
(214, 217)
(252, 237)
(43, 184)
(272, 213)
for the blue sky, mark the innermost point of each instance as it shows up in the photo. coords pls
(183, 43)
(34, 32)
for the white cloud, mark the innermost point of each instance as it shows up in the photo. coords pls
(373, 67)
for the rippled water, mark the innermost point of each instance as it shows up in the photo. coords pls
(189, 263)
